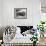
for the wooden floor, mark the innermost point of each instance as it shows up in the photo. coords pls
(42, 41)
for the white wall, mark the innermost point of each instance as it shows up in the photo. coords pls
(0, 12)
(33, 12)
(36, 7)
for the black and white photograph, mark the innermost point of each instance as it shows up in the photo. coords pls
(20, 13)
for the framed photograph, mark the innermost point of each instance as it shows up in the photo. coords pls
(20, 13)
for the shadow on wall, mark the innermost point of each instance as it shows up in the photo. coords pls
(2, 29)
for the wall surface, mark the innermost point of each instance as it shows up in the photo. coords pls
(33, 12)
(0, 12)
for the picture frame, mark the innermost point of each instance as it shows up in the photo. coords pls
(20, 13)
